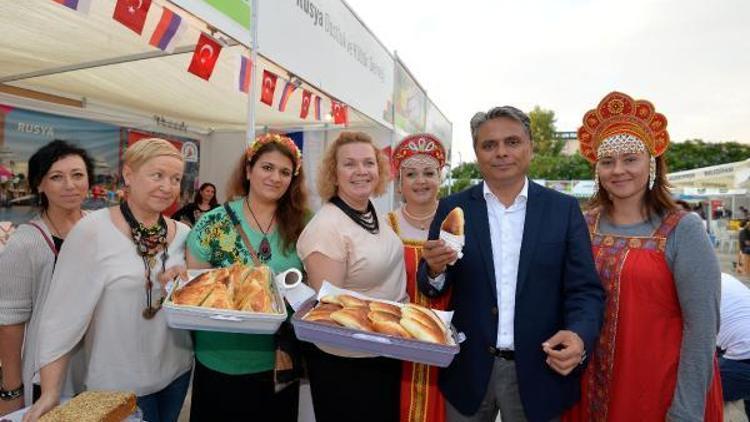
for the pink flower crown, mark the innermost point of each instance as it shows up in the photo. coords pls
(282, 140)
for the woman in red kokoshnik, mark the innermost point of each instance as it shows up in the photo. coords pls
(655, 358)
(419, 160)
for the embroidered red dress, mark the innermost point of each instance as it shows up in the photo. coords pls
(633, 371)
(421, 399)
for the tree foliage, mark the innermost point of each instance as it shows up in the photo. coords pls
(543, 132)
(695, 153)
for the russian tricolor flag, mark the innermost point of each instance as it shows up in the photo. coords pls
(82, 6)
(167, 31)
(285, 94)
(243, 77)
(316, 107)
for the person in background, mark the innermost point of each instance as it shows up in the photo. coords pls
(205, 201)
(348, 244)
(525, 292)
(744, 253)
(655, 358)
(233, 378)
(107, 291)
(733, 341)
(60, 175)
(419, 160)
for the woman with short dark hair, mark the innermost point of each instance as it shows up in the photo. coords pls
(60, 175)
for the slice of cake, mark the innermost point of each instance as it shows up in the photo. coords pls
(94, 406)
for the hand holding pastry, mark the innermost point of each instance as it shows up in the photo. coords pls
(438, 255)
(452, 232)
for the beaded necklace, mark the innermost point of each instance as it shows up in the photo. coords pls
(148, 242)
(368, 220)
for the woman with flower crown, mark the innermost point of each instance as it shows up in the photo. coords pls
(419, 160)
(233, 378)
(106, 294)
(655, 357)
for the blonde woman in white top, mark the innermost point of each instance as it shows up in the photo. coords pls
(106, 291)
(60, 174)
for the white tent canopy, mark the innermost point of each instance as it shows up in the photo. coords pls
(92, 59)
(726, 176)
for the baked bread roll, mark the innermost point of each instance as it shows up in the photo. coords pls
(412, 309)
(94, 406)
(352, 318)
(385, 307)
(332, 299)
(454, 222)
(197, 290)
(237, 287)
(218, 298)
(429, 333)
(349, 301)
(387, 323)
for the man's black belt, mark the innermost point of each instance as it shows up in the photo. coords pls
(503, 353)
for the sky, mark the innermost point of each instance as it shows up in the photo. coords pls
(690, 58)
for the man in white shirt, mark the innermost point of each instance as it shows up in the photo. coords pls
(734, 340)
(525, 293)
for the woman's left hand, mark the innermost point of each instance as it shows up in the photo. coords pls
(172, 273)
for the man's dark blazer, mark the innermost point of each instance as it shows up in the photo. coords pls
(557, 288)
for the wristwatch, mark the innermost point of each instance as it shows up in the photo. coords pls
(9, 395)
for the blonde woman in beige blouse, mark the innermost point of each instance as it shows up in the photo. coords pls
(349, 245)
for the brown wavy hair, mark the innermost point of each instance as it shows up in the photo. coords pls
(327, 183)
(656, 201)
(291, 208)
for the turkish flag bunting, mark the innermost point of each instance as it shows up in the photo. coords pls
(269, 87)
(306, 99)
(339, 112)
(204, 57)
(132, 13)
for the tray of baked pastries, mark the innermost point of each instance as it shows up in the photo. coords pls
(345, 320)
(236, 299)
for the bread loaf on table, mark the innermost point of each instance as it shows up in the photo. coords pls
(94, 406)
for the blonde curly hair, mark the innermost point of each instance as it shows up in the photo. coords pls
(327, 183)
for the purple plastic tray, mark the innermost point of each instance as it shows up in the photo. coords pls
(378, 344)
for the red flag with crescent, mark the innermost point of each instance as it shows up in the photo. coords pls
(204, 57)
(132, 13)
(306, 99)
(339, 112)
(269, 87)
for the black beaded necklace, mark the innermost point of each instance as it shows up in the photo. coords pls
(368, 219)
(148, 242)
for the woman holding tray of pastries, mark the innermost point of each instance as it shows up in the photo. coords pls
(60, 174)
(655, 357)
(107, 292)
(419, 160)
(233, 377)
(351, 246)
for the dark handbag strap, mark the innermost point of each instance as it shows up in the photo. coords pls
(49, 241)
(245, 240)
